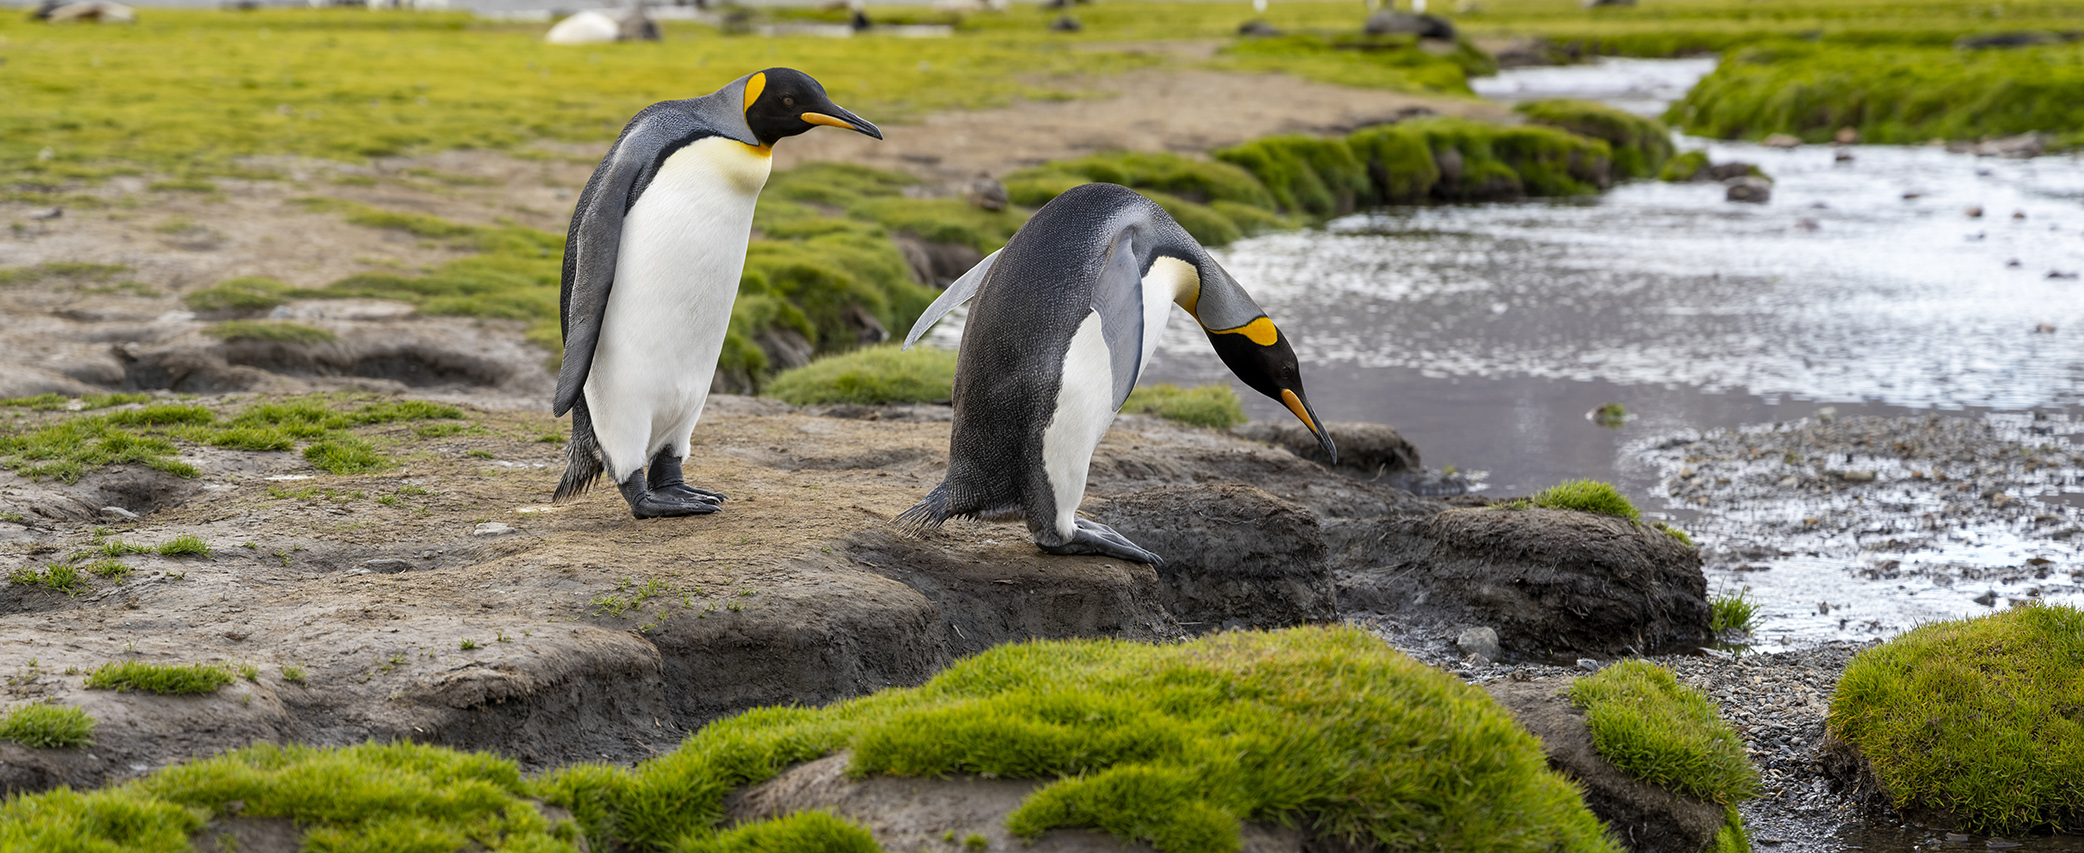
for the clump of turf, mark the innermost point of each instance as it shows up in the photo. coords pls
(1651, 727)
(346, 454)
(60, 402)
(1732, 612)
(272, 331)
(184, 545)
(870, 376)
(1976, 719)
(72, 272)
(1684, 167)
(1587, 496)
(801, 832)
(1213, 406)
(1640, 146)
(244, 295)
(57, 577)
(42, 726)
(68, 448)
(123, 676)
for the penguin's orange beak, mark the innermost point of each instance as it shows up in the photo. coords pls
(845, 120)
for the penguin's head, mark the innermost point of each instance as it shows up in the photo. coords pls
(783, 102)
(1260, 355)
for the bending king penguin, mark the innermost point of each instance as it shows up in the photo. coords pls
(1065, 318)
(651, 267)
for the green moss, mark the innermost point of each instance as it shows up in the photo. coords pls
(71, 272)
(1657, 730)
(248, 294)
(871, 376)
(1394, 62)
(1212, 406)
(59, 402)
(123, 676)
(1976, 719)
(271, 331)
(1198, 181)
(67, 449)
(48, 727)
(800, 832)
(1731, 838)
(1505, 160)
(109, 567)
(1314, 176)
(1639, 146)
(1890, 94)
(1676, 533)
(1587, 496)
(1684, 167)
(1399, 160)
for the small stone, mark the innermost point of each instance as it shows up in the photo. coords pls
(1827, 414)
(493, 528)
(1481, 641)
(1789, 482)
(119, 512)
(1589, 665)
(1857, 476)
(1987, 599)
(1748, 190)
(1781, 140)
(394, 566)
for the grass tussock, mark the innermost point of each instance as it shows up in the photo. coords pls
(1975, 719)
(1320, 728)
(1646, 723)
(65, 272)
(872, 376)
(1640, 146)
(1890, 94)
(244, 295)
(1733, 612)
(271, 331)
(1213, 406)
(174, 679)
(42, 726)
(60, 402)
(66, 449)
(1586, 496)
(57, 577)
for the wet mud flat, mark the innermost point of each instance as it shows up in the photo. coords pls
(1861, 527)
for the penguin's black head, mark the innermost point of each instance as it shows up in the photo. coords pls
(1260, 355)
(783, 102)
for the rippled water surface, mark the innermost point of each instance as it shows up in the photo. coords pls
(1488, 333)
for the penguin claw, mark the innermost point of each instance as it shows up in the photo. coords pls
(686, 492)
(667, 505)
(1096, 539)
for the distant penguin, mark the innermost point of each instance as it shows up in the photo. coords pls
(651, 267)
(1065, 318)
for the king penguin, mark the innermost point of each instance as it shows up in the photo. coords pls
(1064, 319)
(651, 267)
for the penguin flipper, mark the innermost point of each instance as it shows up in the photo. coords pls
(957, 293)
(595, 238)
(1118, 299)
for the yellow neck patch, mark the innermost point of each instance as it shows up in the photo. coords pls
(754, 85)
(1260, 331)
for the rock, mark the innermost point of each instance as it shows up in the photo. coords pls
(1748, 190)
(1065, 24)
(1781, 140)
(1846, 136)
(1393, 22)
(937, 264)
(1589, 665)
(588, 27)
(1479, 641)
(1370, 449)
(392, 566)
(2028, 144)
(986, 192)
(637, 26)
(1593, 4)
(1529, 53)
(1235, 556)
(1726, 171)
(1643, 817)
(1857, 476)
(118, 512)
(1257, 27)
(1550, 581)
(493, 528)
(922, 814)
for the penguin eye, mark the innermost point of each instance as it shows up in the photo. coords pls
(788, 101)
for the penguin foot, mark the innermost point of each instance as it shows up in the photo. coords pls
(1096, 539)
(646, 502)
(664, 478)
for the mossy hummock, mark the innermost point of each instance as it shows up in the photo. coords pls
(1975, 722)
(1653, 728)
(1324, 729)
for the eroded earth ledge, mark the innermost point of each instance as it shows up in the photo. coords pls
(443, 601)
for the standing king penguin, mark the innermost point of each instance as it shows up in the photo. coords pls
(651, 267)
(1065, 318)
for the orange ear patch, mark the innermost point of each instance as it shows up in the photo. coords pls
(754, 85)
(1260, 331)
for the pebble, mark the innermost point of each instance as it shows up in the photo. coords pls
(119, 512)
(493, 528)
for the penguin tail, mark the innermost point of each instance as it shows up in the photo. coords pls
(583, 461)
(929, 514)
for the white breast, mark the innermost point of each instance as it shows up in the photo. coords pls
(1084, 410)
(676, 276)
(1162, 285)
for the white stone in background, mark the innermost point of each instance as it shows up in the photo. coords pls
(493, 528)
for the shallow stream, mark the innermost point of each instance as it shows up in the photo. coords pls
(1488, 334)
